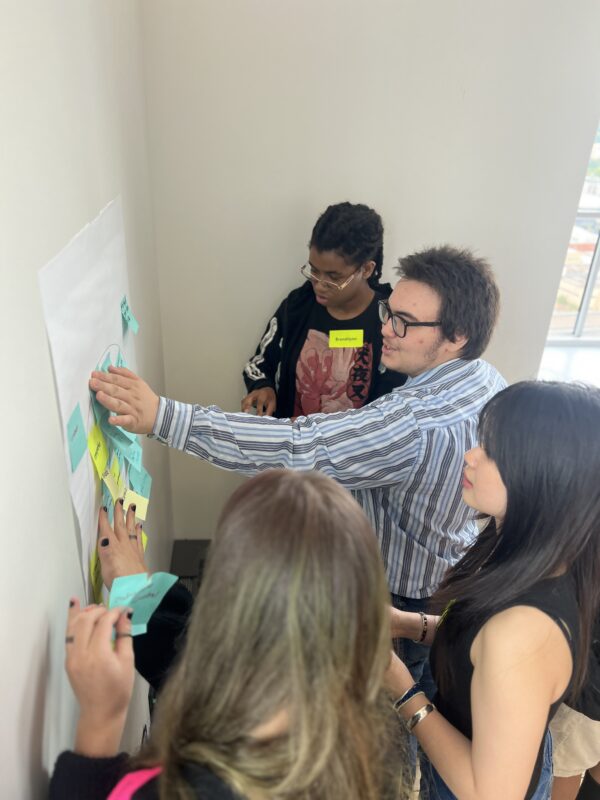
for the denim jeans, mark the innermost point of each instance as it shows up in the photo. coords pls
(434, 788)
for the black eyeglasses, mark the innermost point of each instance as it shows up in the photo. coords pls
(399, 324)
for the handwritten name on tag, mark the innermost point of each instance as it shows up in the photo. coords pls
(348, 338)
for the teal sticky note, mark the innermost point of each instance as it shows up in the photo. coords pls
(140, 481)
(100, 413)
(143, 593)
(125, 588)
(127, 314)
(120, 440)
(120, 459)
(108, 502)
(105, 364)
(133, 455)
(137, 630)
(120, 360)
(147, 599)
(132, 437)
(76, 437)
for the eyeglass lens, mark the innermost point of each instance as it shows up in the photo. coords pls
(385, 314)
(307, 271)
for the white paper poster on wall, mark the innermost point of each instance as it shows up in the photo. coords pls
(83, 290)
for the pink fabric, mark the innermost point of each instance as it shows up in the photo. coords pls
(132, 782)
(329, 380)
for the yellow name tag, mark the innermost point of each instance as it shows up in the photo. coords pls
(346, 338)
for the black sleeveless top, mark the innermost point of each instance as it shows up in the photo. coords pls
(554, 596)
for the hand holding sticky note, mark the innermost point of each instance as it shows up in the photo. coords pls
(143, 593)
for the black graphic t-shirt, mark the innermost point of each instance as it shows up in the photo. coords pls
(335, 368)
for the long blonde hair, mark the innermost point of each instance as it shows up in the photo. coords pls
(291, 617)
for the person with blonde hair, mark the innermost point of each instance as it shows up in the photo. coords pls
(278, 690)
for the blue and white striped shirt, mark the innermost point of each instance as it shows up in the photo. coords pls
(401, 456)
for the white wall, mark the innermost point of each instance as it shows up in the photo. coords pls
(461, 121)
(469, 122)
(72, 137)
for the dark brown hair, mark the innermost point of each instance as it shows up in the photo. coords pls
(468, 293)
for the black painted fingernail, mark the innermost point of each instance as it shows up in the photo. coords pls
(105, 508)
(121, 500)
(133, 505)
(104, 543)
(71, 603)
(129, 614)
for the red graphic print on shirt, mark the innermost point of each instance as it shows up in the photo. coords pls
(331, 379)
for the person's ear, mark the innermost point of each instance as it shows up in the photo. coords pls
(367, 269)
(456, 345)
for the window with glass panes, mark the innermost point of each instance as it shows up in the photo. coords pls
(577, 308)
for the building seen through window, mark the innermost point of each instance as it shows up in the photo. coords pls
(577, 308)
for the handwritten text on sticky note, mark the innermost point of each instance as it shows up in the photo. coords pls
(98, 449)
(143, 593)
(76, 438)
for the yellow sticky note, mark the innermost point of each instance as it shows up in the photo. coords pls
(96, 577)
(115, 470)
(352, 338)
(141, 503)
(111, 485)
(144, 541)
(98, 449)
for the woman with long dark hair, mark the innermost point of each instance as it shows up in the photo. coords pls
(278, 692)
(321, 350)
(516, 613)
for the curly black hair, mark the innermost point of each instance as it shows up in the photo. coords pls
(355, 232)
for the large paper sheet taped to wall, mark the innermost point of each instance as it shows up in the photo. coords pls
(84, 290)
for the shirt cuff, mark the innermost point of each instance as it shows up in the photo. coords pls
(173, 423)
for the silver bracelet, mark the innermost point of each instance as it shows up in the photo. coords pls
(419, 716)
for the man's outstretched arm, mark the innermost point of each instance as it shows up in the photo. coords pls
(362, 448)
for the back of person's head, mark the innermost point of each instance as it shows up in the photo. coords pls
(469, 296)
(353, 231)
(291, 623)
(544, 437)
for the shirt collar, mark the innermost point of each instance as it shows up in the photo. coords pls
(430, 375)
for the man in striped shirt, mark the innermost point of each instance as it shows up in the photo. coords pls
(401, 456)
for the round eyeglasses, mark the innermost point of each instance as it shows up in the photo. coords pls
(399, 324)
(309, 272)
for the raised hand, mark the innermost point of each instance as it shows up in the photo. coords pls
(120, 550)
(264, 400)
(122, 391)
(101, 674)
